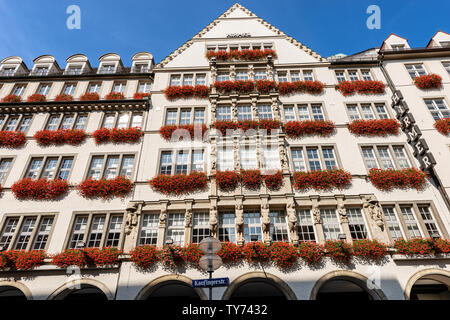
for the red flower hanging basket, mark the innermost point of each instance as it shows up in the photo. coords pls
(311, 87)
(21, 260)
(64, 97)
(104, 188)
(90, 96)
(428, 81)
(237, 86)
(140, 95)
(227, 180)
(443, 126)
(12, 98)
(12, 139)
(322, 179)
(115, 96)
(125, 135)
(254, 252)
(180, 183)
(369, 249)
(185, 92)
(176, 132)
(144, 257)
(251, 179)
(361, 87)
(403, 179)
(230, 253)
(59, 137)
(273, 181)
(283, 254)
(296, 129)
(37, 98)
(41, 189)
(381, 127)
(265, 86)
(310, 252)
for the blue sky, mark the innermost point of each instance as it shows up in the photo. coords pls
(30, 28)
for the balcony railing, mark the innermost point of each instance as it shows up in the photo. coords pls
(68, 72)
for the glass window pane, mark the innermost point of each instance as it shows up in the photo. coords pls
(330, 224)
(252, 226)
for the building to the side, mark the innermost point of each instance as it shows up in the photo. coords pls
(147, 217)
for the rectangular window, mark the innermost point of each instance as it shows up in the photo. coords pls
(223, 77)
(242, 75)
(44, 89)
(265, 112)
(11, 123)
(308, 75)
(385, 157)
(200, 79)
(8, 72)
(66, 121)
(305, 225)
(412, 226)
(278, 226)
(227, 227)
(298, 159)
(175, 80)
(108, 68)
(317, 112)
(244, 113)
(260, 75)
(367, 112)
(144, 87)
(223, 113)
(313, 159)
(69, 88)
(119, 87)
(8, 231)
(330, 224)
(197, 161)
(438, 108)
(188, 79)
(447, 66)
(136, 120)
(181, 165)
(289, 113)
(340, 76)
(353, 75)
(5, 165)
(41, 71)
(23, 238)
(369, 158)
(199, 116)
(110, 166)
(225, 158)
(123, 120)
(381, 111)
(94, 87)
(166, 162)
(200, 226)
(185, 116)
(149, 229)
(19, 89)
(366, 75)
(54, 167)
(252, 226)
(415, 70)
(271, 157)
(175, 228)
(356, 224)
(43, 233)
(295, 76)
(329, 158)
(171, 116)
(428, 220)
(392, 222)
(73, 70)
(96, 230)
(282, 77)
(353, 112)
(248, 157)
(303, 113)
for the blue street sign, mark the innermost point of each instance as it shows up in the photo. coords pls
(210, 283)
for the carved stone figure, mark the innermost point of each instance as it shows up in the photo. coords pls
(188, 218)
(239, 223)
(213, 221)
(131, 218)
(316, 215)
(163, 217)
(342, 213)
(375, 212)
(292, 220)
(265, 219)
(283, 157)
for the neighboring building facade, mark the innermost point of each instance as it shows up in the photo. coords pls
(149, 217)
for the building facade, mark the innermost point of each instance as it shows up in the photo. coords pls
(146, 216)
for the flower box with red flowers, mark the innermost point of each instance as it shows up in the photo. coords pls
(322, 179)
(269, 125)
(310, 252)
(125, 135)
(403, 179)
(21, 260)
(180, 183)
(273, 181)
(12, 98)
(340, 251)
(177, 132)
(361, 86)
(245, 54)
(225, 126)
(12, 139)
(87, 257)
(63, 97)
(185, 92)
(283, 254)
(378, 127)
(265, 86)
(428, 81)
(144, 257)
(59, 137)
(172, 256)
(296, 129)
(227, 180)
(254, 252)
(369, 249)
(140, 95)
(311, 87)
(41, 189)
(414, 246)
(443, 126)
(237, 86)
(251, 179)
(37, 98)
(90, 96)
(105, 188)
(114, 96)
(230, 253)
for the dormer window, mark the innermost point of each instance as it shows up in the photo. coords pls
(74, 70)
(398, 47)
(141, 68)
(445, 44)
(8, 72)
(107, 68)
(41, 71)
(44, 89)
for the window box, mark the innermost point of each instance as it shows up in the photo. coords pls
(428, 81)
(141, 95)
(251, 179)
(12, 98)
(230, 253)
(42, 189)
(267, 124)
(179, 184)
(273, 181)
(369, 249)
(310, 252)
(422, 246)
(12, 139)
(59, 137)
(115, 96)
(90, 96)
(255, 252)
(167, 132)
(21, 260)
(265, 86)
(312, 87)
(223, 126)
(144, 257)
(126, 135)
(238, 86)
(283, 255)
(264, 124)
(339, 251)
(227, 180)
(88, 256)
(245, 54)
(187, 91)
(381, 127)
(322, 179)
(37, 98)
(104, 188)
(64, 97)
(296, 129)
(403, 179)
(443, 126)
(360, 86)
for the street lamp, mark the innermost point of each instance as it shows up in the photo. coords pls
(210, 262)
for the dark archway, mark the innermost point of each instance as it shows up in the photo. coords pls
(343, 289)
(431, 287)
(258, 288)
(10, 293)
(85, 292)
(172, 289)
